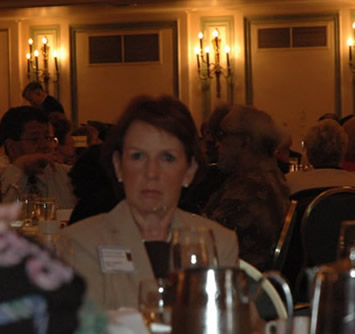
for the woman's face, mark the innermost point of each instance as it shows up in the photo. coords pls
(153, 168)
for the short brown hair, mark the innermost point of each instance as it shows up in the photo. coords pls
(165, 113)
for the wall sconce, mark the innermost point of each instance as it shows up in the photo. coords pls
(206, 69)
(34, 72)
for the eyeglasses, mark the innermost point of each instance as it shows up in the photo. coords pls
(225, 133)
(38, 140)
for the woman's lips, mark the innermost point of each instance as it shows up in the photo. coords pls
(151, 193)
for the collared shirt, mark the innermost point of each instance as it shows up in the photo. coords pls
(51, 184)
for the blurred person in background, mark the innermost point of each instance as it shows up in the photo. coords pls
(30, 144)
(39, 98)
(254, 199)
(326, 145)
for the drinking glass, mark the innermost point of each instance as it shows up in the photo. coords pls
(28, 207)
(45, 209)
(346, 239)
(155, 300)
(192, 247)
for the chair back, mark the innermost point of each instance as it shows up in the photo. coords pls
(283, 244)
(270, 305)
(321, 223)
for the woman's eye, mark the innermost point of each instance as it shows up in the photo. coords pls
(168, 157)
(136, 155)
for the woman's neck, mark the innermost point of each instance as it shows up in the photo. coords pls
(154, 225)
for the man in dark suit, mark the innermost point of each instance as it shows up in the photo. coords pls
(39, 98)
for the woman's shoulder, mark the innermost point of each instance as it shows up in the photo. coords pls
(192, 219)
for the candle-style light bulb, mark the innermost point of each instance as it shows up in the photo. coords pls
(44, 41)
(200, 37)
(30, 42)
(350, 43)
(227, 49)
(28, 56)
(215, 35)
(353, 25)
(55, 55)
(207, 51)
(36, 53)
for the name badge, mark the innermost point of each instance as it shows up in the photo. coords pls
(115, 259)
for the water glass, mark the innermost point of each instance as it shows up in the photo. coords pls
(156, 298)
(192, 247)
(28, 208)
(45, 209)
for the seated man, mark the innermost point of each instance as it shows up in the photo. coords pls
(30, 144)
(326, 144)
(254, 198)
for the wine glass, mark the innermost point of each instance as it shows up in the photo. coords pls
(155, 300)
(192, 247)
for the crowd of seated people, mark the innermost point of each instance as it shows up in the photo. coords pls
(151, 171)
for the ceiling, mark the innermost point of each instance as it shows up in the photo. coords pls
(149, 3)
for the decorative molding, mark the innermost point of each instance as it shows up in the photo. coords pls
(334, 18)
(136, 26)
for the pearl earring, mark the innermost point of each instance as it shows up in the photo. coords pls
(119, 179)
(186, 185)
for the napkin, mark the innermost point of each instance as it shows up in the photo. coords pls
(126, 321)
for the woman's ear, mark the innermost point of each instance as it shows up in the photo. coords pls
(190, 173)
(116, 161)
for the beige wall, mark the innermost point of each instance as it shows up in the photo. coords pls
(20, 22)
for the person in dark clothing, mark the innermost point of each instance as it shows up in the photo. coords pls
(39, 98)
(92, 185)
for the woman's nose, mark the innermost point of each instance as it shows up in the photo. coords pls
(152, 168)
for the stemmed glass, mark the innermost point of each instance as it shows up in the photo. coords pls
(192, 247)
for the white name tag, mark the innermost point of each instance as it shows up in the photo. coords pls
(115, 259)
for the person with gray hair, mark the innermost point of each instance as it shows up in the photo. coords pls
(254, 198)
(326, 144)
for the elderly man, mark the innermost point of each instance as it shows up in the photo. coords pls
(30, 144)
(254, 198)
(326, 144)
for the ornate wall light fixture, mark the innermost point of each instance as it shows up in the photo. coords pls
(42, 74)
(209, 70)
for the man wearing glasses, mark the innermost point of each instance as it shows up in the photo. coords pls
(254, 198)
(29, 143)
